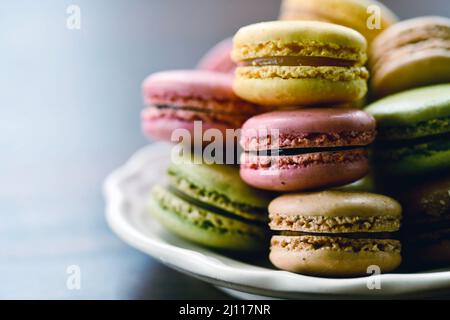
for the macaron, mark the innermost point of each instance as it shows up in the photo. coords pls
(413, 131)
(299, 63)
(177, 99)
(335, 233)
(410, 54)
(427, 221)
(211, 206)
(218, 58)
(306, 149)
(354, 14)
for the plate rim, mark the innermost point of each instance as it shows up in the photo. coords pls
(258, 281)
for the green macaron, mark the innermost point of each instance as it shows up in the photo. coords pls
(210, 205)
(414, 131)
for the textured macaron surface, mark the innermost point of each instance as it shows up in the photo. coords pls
(299, 63)
(177, 99)
(306, 149)
(350, 13)
(422, 33)
(308, 128)
(334, 233)
(196, 90)
(299, 38)
(187, 83)
(410, 54)
(335, 212)
(218, 58)
(219, 186)
(201, 225)
(413, 114)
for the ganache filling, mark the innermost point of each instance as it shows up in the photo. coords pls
(214, 209)
(293, 61)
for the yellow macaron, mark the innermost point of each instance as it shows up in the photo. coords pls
(300, 63)
(369, 17)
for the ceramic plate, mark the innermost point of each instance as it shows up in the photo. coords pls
(126, 191)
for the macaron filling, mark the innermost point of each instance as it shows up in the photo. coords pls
(293, 61)
(207, 207)
(203, 217)
(214, 200)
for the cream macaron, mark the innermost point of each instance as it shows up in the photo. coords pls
(335, 233)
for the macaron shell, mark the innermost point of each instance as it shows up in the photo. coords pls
(223, 181)
(301, 177)
(298, 92)
(349, 13)
(306, 124)
(188, 83)
(414, 69)
(411, 31)
(410, 54)
(176, 99)
(276, 38)
(173, 129)
(428, 201)
(414, 160)
(218, 58)
(202, 226)
(335, 203)
(333, 262)
(412, 107)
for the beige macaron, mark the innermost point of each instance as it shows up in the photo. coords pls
(335, 233)
(412, 53)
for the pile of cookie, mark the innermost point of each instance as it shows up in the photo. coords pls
(342, 114)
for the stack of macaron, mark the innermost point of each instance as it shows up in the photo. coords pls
(296, 91)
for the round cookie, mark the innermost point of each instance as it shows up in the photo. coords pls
(413, 131)
(210, 205)
(427, 221)
(218, 58)
(306, 149)
(299, 63)
(334, 233)
(350, 13)
(412, 53)
(176, 99)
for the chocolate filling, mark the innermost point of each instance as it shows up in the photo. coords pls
(217, 210)
(299, 151)
(293, 61)
(353, 235)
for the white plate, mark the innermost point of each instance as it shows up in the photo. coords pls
(126, 191)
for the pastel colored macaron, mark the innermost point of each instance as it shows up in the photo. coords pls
(355, 14)
(427, 221)
(299, 63)
(413, 131)
(411, 54)
(335, 233)
(210, 205)
(306, 149)
(218, 58)
(177, 99)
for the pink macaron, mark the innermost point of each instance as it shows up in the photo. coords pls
(177, 99)
(218, 58)
(306, 149)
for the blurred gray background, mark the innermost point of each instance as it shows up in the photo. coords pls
(69, 114)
